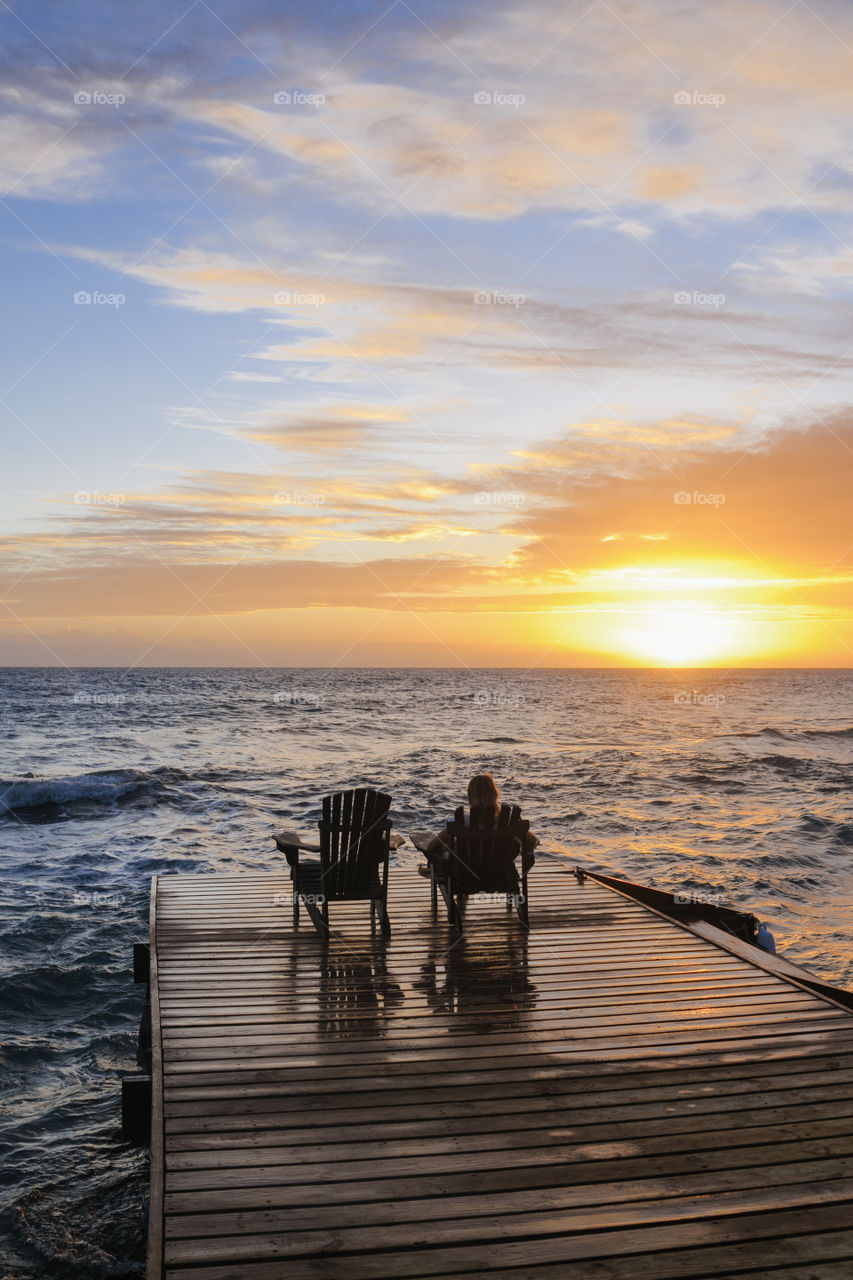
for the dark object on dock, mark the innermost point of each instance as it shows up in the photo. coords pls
(740, 925)
(481, 859)
(765, 939)
(136, 1109)
(355, 844)
(683, 906)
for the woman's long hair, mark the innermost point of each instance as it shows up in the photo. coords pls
(483, 794)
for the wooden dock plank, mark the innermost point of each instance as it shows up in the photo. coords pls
(610, 1095)
(642, 1251)
(531, 1114)
(504, 1224)
(515, 1201)
(499, 1182)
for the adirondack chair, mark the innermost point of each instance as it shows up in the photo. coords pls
(354, 847)
(481, 859)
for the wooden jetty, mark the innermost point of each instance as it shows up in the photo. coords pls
(611, 1096)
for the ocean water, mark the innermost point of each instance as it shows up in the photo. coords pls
(735, 784)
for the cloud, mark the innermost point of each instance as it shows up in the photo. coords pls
(339, 329)
(43, 155)
(347, 427)
(578, 114)
(779, 506)
(580, 111)
(786, 266)
(591, 512)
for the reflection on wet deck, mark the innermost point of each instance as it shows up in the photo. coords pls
(355, 993)
(609, 1095)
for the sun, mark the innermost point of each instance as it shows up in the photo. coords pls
(685, 636)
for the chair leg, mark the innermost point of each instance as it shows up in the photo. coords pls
(317, 918)
(523, 913)
(295, 909)
(433, 891)
(454, 915)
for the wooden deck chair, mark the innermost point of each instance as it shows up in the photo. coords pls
(481, 859)
(354, 847)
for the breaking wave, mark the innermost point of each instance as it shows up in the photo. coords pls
(106, 787)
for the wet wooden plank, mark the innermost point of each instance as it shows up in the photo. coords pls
(492, 1205)
(644, 1248)
(518, 1128)
(505, 1225)
(682, 1164)
(530, 1109)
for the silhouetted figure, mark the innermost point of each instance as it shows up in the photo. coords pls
(484, 796)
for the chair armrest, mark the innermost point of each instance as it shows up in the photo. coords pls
(293, 840)
(420, 839)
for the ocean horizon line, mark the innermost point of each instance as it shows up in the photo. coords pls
(527, 670)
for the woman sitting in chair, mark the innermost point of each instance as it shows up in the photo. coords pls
(483, 794)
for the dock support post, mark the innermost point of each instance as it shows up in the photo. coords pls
(141, 961)
(136, 1109)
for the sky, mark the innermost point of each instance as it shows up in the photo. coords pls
(421, 334)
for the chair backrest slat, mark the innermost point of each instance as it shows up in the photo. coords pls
(354, 826)
(342, 872)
